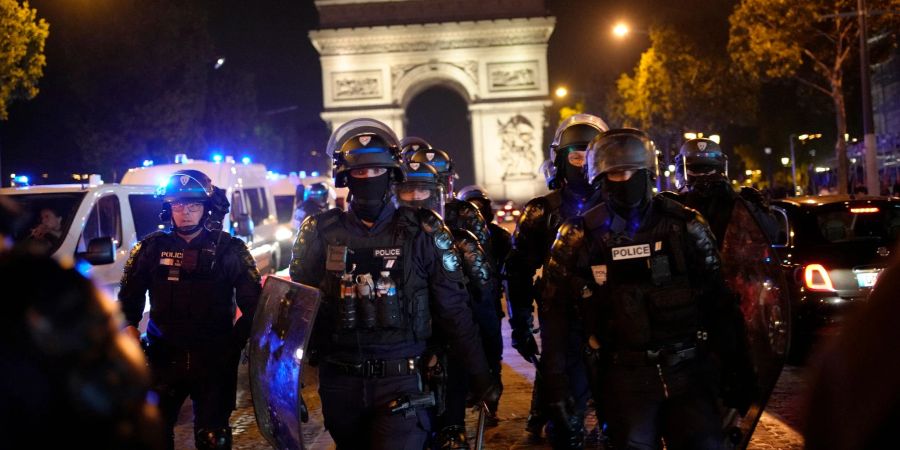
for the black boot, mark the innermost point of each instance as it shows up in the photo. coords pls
(452, 437)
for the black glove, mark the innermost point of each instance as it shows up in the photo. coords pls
(524, 343)
(484, 389)
(568, 426)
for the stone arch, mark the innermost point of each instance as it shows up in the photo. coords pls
(418, 78)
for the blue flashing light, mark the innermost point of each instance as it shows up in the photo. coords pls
(217, 158)
(302, 174)
(245, 160)
(83, 267)
(314, 174)
(22, 179)
(147, 163)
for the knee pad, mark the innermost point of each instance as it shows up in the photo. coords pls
(213, 438)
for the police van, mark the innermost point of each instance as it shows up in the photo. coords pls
(93, 224)
(252, 217)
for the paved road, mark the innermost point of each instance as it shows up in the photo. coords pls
(778, 428)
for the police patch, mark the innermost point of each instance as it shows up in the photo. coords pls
(701, 145)
(429, 155)
(414, 165)
(387, 252)
(631, 252)
(364, 140)
(184, 179)
(599, 273)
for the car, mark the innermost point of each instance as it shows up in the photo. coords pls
(832, 249)
(253, 213)
(91, 225)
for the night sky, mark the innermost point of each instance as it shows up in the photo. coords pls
(268, 38)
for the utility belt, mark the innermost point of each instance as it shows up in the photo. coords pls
(666, 356)
(377, 368)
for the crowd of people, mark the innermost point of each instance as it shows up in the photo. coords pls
(634, 314)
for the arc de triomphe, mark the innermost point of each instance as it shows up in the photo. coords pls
(376, 56)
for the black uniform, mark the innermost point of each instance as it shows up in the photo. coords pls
(715, 201)
(367, 362)
(531, 244)
(655, 306)
(193, 345)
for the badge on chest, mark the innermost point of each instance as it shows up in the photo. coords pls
(631, 252)
(388, 256)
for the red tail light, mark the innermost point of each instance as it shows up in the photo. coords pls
(817, 278)
(866, 210)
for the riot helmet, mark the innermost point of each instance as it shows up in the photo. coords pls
(698, 159)
(421, 189)
(364, 144)
(441, 162)
(567, 150)
(479, 197)
(190, 186)
(410, 145)
(614, 155)
(318, 193)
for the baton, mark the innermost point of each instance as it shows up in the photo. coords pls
(479, 433)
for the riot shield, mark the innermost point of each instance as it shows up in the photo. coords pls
(281, 329)
(751, 269)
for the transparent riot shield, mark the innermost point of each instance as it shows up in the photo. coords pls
(280, 333)
(751, 269)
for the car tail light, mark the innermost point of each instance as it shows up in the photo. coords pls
(817, 278)
(866, 210)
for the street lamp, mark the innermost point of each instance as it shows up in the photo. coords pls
(561, 92)
(785, 161)
(621, 30)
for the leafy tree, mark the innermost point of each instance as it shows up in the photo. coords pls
(809, 41)
(22, 58)
(679, 86)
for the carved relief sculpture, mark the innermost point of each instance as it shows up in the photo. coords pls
(517, 149)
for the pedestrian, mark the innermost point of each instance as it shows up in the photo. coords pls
(537, 226)
(645, 274)
(387, 273)
(194, 274)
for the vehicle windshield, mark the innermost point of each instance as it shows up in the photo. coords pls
(858, 222)
(49, 217)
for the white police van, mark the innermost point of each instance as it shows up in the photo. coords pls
(252, 217)
(92, 225)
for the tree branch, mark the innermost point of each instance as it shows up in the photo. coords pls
(813, 85)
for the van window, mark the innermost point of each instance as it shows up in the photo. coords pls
(105, 220)
(284, 208)
(145, 209)
(258, 207)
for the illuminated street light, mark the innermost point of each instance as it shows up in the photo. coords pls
(715, 138)
(219, 63)
(621, 30)
(671, 167)
(561, 92)
(691, 135)
(785, 161)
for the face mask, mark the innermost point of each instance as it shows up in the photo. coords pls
(628, 194)
(575, 179)
(369, 196)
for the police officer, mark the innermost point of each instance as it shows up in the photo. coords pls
(535, 231)
(194, 274)
(411, 144)
(701, 173)
(369, 345)
(423, 189)
(645, 271)
(314, 200)
(499, 237)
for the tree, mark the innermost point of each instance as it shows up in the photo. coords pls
(809, 41)
(22, 58)
(680, 86)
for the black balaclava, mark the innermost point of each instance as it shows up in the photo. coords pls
(628, 195)
(576, 181)
(368, 196)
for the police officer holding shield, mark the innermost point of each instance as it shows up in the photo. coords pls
(387, 273)
(194, 273)
(701, 173)
(646, 273)
(570, 194)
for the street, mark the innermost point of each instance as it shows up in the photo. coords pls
(778, 429)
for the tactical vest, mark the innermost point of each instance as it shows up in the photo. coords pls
(191, 302)
(647, 295)
(390, 251)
